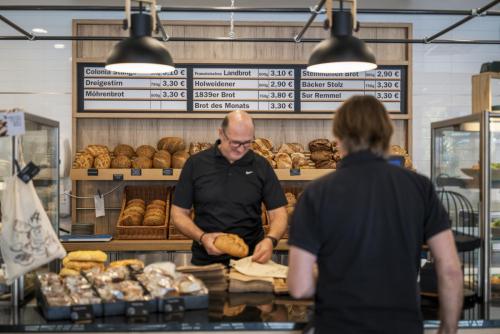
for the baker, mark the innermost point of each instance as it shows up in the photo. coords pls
(226, 186)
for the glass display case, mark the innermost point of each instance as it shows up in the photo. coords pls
(465, 167)
(40, 144)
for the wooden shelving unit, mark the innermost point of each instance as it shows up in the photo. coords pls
(157, 175)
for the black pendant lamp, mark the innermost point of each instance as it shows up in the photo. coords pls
(140, 53)
(342, 52)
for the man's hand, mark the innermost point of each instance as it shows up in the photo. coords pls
(208, 242)
(263, 251)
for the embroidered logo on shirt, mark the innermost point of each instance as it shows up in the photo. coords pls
(248, 172)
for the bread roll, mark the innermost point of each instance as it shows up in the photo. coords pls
(96, 256)
(321, 156)
(65, 272)
(147, 151)
(326, 164)
(142, 162)
(171, 144)
(83, 160)
(125, 150)
(102, 161)
(283, 160)
(179, 159)
(320, 145)
(162, 159)
(231, 244)
(121, 161)
(96, 150)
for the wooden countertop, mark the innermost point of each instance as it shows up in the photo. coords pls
(142, 245)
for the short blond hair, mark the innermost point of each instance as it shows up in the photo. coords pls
(362, 123)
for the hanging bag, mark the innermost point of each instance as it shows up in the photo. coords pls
(28, 240)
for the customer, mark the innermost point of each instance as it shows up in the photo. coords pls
(226, 185)
(364, 226)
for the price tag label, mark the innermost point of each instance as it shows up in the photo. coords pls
(172, 305)
(117, 177)
(81, 312)
(136, 309)
(12, 124)
(99, 206)
(168, 171)
(92, 172)
(136, 172)
(28, 172)
(294, 171)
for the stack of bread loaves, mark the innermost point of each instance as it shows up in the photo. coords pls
(136, 213)
(264, 147)
(176, 147)
(291, 155)
(198, 147)
(324, 153)
(93, 156)
(77, 261)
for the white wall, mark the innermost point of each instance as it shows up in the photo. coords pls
(37, 77)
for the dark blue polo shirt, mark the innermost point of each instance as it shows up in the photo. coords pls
(227, 197)
(366, 224)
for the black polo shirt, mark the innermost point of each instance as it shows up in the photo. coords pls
(227, 197)
(366, 224)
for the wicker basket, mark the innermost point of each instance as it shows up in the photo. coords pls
(146, 193)
(173, 232)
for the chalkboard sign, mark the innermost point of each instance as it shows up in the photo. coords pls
(202, 88)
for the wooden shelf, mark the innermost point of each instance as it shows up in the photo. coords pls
(214, 115)
(142, 245)
(157, 175)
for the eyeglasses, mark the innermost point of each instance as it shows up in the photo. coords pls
(236, 144)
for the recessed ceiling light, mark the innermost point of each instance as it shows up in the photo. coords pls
(59, 46)
(39, 30)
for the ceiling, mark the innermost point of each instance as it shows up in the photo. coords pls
(362, 4)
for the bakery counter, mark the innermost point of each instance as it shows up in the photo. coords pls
(250, 312)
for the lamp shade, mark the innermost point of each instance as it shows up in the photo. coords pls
(341, 54)
(140, 53)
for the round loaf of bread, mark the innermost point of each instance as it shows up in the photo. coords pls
(155, 211)
(136, 201)
(102, 161)
(326, 164)
(262, 144)
(84, 160)
(171, 144)
(290, 197)
(231, 244)
(154, 220)
(320, 145)
(156, 206)
(194, 148)
(96, 150)
(134, 208)
(283, 160)
(131, 219)
(142, 162)
(299, 160)
(123, 149)
(179, 159)
(158, 202)
(162, 159)
(321, 156)
(121, 161)
(147, 151)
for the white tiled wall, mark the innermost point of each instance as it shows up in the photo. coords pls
(37, 77)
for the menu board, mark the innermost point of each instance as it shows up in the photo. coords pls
(203, 88)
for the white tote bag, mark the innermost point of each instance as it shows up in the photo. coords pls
(28, 240)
